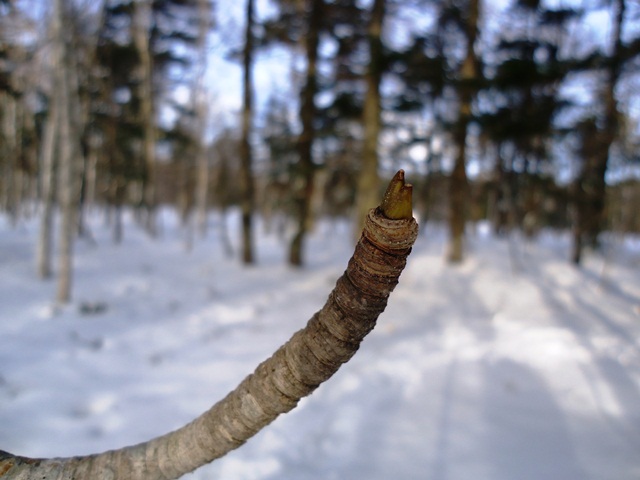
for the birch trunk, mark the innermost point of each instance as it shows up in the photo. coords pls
(69, 150)
(47, 191)
(295, 370)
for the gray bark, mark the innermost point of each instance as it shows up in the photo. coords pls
(47, 192)
(68, 149)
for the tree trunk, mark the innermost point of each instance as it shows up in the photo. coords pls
(47, 189)
(302, 183)
(368, 180)
(248, 189)
(459, 185)
(69, 150)
(141, 31)
(458, 199)
(611, 120)
(577, 247)
(8, 150)
(295, 370)
(202, 161)
(590, 186)
(202, 191)
(14, 176)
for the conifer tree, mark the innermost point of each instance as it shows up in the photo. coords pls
(599, 132)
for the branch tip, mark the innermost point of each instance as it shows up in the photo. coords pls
(397, 200)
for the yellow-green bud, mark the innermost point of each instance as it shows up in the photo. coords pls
(396, 203)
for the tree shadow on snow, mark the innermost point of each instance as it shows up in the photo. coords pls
(527, 436)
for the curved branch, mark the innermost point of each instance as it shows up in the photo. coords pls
(296, 369)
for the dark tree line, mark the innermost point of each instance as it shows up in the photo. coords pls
(517, 115)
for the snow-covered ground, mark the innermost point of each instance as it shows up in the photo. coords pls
(514, 366)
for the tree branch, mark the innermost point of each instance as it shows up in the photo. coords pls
(296, 369)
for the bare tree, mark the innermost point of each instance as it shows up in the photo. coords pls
(68, 148)
(296, 369)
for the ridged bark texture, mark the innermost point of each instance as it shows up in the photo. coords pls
(296, 369)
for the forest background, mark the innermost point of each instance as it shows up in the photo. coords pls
(522, 113)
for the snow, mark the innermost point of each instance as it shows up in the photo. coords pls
(514, 365)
